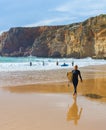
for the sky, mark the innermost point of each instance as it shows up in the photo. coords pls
(31, 13)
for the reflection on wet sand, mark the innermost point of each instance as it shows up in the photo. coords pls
(73, 113)
(95, 89)
(39, 88)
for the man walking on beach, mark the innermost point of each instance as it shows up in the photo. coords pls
(75, 74)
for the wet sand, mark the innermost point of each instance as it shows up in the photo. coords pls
(51, 106)
(48, 76)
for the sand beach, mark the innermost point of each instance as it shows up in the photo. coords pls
(42, 100)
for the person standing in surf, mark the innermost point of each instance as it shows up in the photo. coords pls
(75, 74)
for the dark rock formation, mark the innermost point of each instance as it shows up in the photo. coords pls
(85, 39)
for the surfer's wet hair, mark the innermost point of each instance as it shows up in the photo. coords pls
(76, 66)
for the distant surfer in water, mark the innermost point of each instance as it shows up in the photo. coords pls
(72, 63)
(75, 74)
(30, 63)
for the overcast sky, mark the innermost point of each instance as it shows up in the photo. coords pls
(20, 13)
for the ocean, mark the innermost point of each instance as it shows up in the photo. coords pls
(31, 63)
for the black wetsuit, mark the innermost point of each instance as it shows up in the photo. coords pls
(76, 73)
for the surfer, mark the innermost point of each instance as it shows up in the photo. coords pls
(57, 63)
(72, 63)
(43, 63)
(75, 74)
(30, 63)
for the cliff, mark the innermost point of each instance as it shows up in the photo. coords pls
(85, 39)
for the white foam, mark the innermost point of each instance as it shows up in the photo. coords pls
(23, 64)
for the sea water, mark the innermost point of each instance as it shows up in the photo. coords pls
(23, 63)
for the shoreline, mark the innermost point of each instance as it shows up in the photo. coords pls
(91, 88)
(49, 76)
(93, 85)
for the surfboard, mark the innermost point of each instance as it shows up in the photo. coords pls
(69, 76)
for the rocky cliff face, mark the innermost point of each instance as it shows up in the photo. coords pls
(77, 40)
(19, 41)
